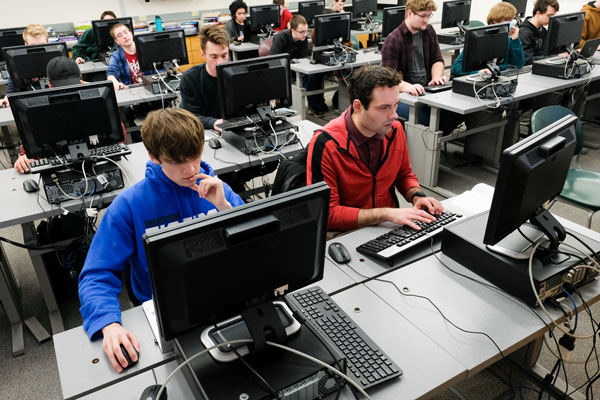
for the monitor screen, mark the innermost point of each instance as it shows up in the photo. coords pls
(532, 172)
(360, 8)
(29, 62)
(455, 12)
(331, 27)
(50, 120)
(210, 269)
(264, 18)
(102, 30)
(10, 37)
(308, 9)
(520, 5)
(242, 86)
(392, 18)
(159, 47)
(401, 2)
(563, 31)
(484, 44)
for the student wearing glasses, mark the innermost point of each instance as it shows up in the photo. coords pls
(294, 42)
(124, 68)
(413, 49)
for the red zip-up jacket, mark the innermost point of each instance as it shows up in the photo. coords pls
(333, 158)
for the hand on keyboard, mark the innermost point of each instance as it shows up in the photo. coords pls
(407, 216)
(429, 204)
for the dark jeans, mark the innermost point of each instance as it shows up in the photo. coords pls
(313, 82)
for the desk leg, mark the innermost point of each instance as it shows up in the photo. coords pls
(10, 298)
(423, 147)
(56, 320)
(298, 96)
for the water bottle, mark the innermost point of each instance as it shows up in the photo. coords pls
(158, 23)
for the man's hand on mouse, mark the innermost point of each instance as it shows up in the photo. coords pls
(22, 164)
(437, 81)
(114, 336)
(415, 89)
(217, 122)
(4, 102)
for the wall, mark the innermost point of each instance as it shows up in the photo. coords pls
(17, 13)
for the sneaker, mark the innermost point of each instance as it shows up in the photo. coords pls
(315, 111)
(323, 108)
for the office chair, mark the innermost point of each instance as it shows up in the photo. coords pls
(264, 49)
(582, 187)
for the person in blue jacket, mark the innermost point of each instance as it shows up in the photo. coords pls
(124, 67)
(177, 185)
(501, 12)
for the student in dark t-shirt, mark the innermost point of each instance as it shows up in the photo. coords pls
(237, 27)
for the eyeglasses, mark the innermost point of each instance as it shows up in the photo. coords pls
(302, 32)
(425, 16)
(122, 34)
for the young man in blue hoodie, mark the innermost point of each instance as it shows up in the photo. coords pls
(177, 185)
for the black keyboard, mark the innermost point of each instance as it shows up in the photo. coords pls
(366, 362)
(388, 246)
(438, 88)
(242, 122)
(47, 164)
(516, 71)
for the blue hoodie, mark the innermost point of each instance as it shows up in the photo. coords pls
(154, 201)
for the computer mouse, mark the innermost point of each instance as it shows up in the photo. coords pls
(214, 143)
(339, 253)
(30, 186)
(294, 61)
(151, 392)
(130, 362)
(236, 43)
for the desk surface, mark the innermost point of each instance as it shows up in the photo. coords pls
(244, 46)
(469, 305)
(92, 66)
(363, 57)
(225, 159)
(399, 338)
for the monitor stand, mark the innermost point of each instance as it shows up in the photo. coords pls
(516, 246)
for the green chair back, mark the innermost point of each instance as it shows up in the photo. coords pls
(550, 114)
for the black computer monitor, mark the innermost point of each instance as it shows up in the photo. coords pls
(483, 45)
(331, 29)
(28, 62)
(401, 2)
(456, 13)
(308, 9)
(520, 5)
(362, 8)
(161, 48)
(51, 120)
(392, 18)
(10, 37)
(564, 31)
(242, 88)
(102, 30)
(532, 172)
(211, 269)
(264, 18)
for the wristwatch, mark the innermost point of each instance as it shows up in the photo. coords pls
(419, 194)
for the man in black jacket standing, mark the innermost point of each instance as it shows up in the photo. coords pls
(532, 31)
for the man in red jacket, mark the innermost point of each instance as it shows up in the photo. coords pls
(362, 156)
